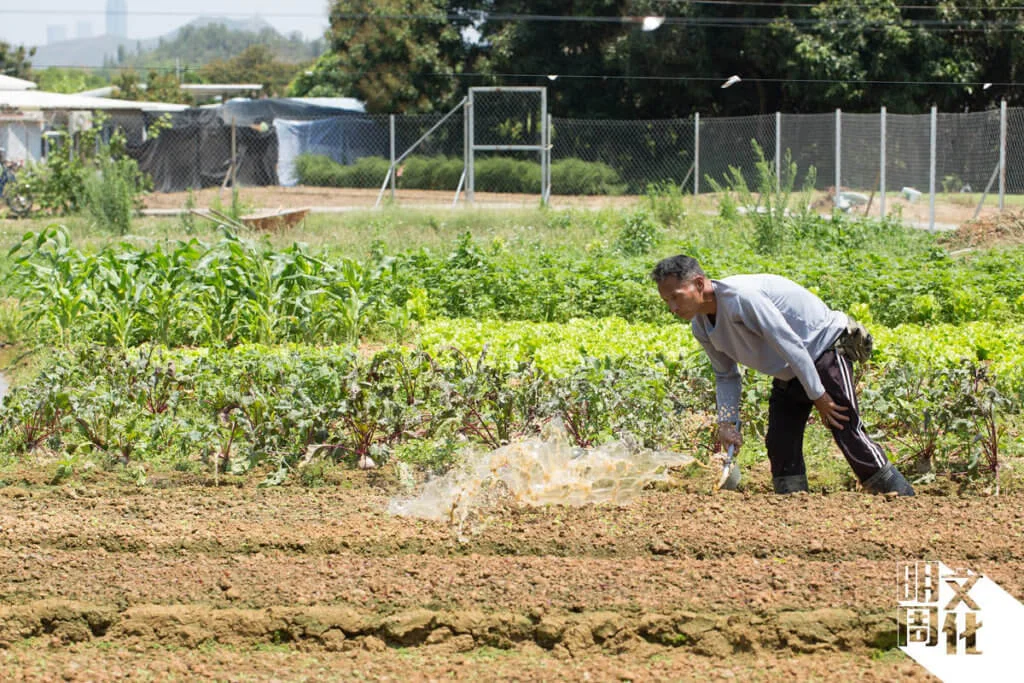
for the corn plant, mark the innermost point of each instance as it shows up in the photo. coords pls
(54, 276)
(350, 297)
(170, 310)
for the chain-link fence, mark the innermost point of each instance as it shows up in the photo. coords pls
(507, 141)
(631, 154)
(501, 142)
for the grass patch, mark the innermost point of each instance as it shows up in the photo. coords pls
(487, 654)
(357, 233)
(890, 655)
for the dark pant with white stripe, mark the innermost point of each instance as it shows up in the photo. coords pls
(789, 408)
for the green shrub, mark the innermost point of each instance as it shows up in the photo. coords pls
(322, 171)
(640, 234)
(493, 174)
(66, 181)
(505, 174)
(58, 183)
(112, 193)
(366, 172)
(431, 173)
(574, 176)
(318, 170)
(665, 200)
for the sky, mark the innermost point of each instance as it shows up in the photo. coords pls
(25, 23)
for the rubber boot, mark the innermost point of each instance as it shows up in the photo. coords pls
(793, 483)
(889, 480)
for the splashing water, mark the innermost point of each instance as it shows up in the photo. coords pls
(539, 472)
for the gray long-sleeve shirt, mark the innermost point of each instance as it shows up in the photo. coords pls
(770, 324)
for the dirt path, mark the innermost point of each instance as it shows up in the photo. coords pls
(293, 583)
(947, 213)
(339, 198)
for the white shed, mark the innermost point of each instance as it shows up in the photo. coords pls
(21, 135)
(12, 83)
(25, 114)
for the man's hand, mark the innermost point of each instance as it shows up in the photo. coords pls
(728, 435)
(832, 414)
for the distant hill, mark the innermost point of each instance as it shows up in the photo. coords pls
(197, 42)
(86, 51)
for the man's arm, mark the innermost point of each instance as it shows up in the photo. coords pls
(728, 387)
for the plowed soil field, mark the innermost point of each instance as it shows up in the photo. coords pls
(100, 580)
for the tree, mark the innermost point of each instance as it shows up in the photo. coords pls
(413, 55)
(55, 79)
(160, 87)
(678, 69)
(14, 61)
(398, 56)
(524, 52)
(255, 64)
(908, 58)
(844, 57)
(984, 40)
(198, 45)
(616, 69)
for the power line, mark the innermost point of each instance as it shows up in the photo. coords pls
(611, 77)
(483, 13)
(743, 22)
(808, 5)
(168, 13)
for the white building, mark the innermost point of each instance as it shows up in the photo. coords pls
(26, 114)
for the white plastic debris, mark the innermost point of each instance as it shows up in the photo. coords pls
(539, 472)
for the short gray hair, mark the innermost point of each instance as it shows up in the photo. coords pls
(680, 267)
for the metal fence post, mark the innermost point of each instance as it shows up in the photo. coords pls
(394, 170)
(881, 170)
(470, 150)
(547, 181)
(778, 149)
(1002, 154)
(465, 152)
(931, 168)
(233, 169)
(544, 152)
(696, 154)
(839, 147)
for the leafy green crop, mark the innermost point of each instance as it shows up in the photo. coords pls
(238, 290)
(271, 409)
(231, 292)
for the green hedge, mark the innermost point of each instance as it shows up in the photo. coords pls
(322, 171)
(494, 174)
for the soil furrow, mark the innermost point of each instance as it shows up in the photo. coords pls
(679, 584)
(836, 527)
(336, 628)
(404, 582)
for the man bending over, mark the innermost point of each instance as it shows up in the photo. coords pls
(777, 327)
